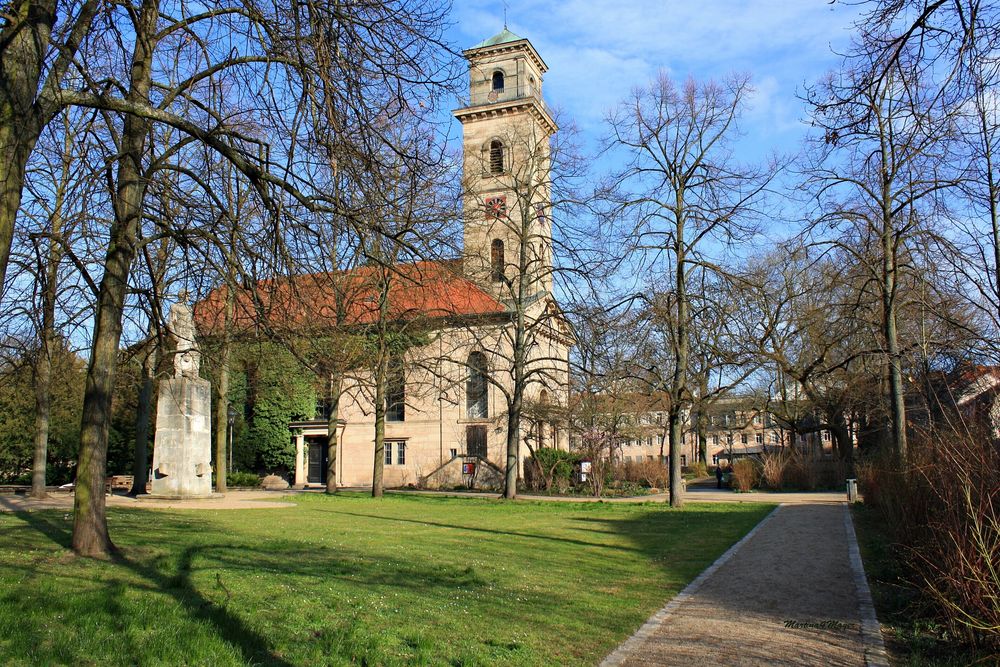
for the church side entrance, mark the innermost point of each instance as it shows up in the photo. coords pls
(318, 460)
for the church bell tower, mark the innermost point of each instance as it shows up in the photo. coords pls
(506, 131)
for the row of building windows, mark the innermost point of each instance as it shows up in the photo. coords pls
(744, 439)
(649, 457)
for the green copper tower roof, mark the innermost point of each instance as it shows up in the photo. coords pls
(503, 37)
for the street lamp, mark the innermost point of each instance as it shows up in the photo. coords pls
(231, 419)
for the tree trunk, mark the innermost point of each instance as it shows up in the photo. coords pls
(43, 376)
(702, 444)
(842, 436)
(676, 433)
(379, 462)
(516, 404)
(25, 39)
(222, 420)
(897, 403)
(513, 442)
(144, 413)
(992, 190)
(678, 387)
(222, 391)
(90, 526)
(26, 102)
(336, 386)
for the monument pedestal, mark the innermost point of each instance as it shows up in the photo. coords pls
(182, 452)
(153, 496)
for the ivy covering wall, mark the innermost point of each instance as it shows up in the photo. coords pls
(268, 387)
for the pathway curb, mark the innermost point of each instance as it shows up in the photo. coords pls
(871, 630)
(627, 647)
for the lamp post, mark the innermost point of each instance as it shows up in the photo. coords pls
(231, 419)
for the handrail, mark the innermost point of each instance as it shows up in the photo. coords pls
(507, 95)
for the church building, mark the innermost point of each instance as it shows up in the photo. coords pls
(490, 316)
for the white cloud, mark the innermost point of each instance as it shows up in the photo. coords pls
(597, 50)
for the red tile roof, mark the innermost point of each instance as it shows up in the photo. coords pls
(422, 290)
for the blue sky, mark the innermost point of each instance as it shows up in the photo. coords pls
(597, 50)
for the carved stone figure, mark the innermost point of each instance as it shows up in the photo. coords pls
(187, 359)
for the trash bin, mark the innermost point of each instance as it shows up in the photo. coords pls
(852, 490)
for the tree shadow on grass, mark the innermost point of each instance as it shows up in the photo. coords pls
(252, 647)
(163, 563)
(491, 531)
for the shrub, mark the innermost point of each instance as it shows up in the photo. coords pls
(551, 468)
(746, 474)
(944, 510)
(773, 469)
(647, 473)
(237, 478)
(699, 469)
(800, 474)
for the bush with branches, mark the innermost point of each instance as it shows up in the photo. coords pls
(943, 508)
(746, 474)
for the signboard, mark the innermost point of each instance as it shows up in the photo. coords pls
(469, 468)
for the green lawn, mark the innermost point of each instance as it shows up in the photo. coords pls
(351, 580)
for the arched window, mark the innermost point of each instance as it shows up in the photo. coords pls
(497, 260)
(476, 394)
(498, 81)
(395, 395)
(496, 157)
(543, 402)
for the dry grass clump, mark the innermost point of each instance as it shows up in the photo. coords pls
(651, 474)
(746, 475)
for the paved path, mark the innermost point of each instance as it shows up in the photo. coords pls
(691, 496)
(233, 500)
(792, 592)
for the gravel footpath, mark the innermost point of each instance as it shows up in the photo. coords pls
(233, 500)
(790, 593)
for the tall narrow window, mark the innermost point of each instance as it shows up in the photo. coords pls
(543, 401)
(498, 81)
(475, 441)
(395, 395)
(476, 394)
(497, 260)
(496, 157)
(388, 453)
(400, 453)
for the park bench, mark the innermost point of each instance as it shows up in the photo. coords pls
(118, 483)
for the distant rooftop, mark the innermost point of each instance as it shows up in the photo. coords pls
(502, 37)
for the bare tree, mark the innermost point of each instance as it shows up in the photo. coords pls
(61, 187)
(876, 170)
(681, 190)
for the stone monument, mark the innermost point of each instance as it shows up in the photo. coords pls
(182, 450)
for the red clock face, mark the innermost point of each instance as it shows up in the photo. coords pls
(496, 207)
